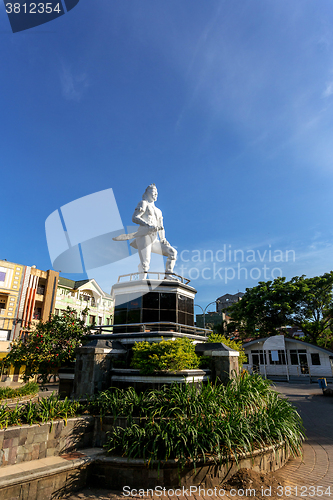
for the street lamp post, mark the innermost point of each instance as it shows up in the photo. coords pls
(204, 310)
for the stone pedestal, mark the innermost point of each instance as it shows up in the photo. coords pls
(224, 360)
(152, 301)
(93, 367)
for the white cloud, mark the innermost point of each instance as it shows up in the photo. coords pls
(73, 85)
(329, 89)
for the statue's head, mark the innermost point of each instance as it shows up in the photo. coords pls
(151, 193)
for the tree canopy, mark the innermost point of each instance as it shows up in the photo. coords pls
(51, 345)
(306, 303)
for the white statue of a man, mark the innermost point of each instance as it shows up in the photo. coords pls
(151, 227)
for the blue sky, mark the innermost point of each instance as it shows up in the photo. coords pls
(226, 106)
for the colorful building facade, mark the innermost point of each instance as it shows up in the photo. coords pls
(27, 296)
(85, 296)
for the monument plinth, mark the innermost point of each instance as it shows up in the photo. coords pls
(152, 301)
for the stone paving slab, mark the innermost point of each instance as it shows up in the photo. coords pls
(316, 467)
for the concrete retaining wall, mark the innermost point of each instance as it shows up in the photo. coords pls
(112, 472)
(93, 468)
(26, 443)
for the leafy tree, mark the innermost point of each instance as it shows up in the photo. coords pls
(51, 345)
(306, 303)
(219, 328)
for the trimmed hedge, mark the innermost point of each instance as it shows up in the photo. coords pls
(171, 355)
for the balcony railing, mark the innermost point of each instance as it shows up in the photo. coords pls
(158, 326)
(6, 323)
(153, 275)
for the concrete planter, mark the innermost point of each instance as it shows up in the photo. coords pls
(114, 472)
(123, 378)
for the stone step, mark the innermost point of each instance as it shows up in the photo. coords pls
(40, 479)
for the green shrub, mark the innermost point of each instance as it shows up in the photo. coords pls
(28, 389)
(171, 355)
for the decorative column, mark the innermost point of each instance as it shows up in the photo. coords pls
(93, 367)
(224, 364)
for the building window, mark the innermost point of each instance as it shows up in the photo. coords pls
(37, 313)
(3, 302)
(41, 290)
(293, 357)
(2, 276)
(281, 357)
(315, 358)
(92, 320)
(258, 357)
(56, 312)
(99, 320)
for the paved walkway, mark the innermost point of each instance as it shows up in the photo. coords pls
(310, 477)
(313, 473)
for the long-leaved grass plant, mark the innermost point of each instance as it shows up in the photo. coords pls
(43, 410)
(182, 422)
